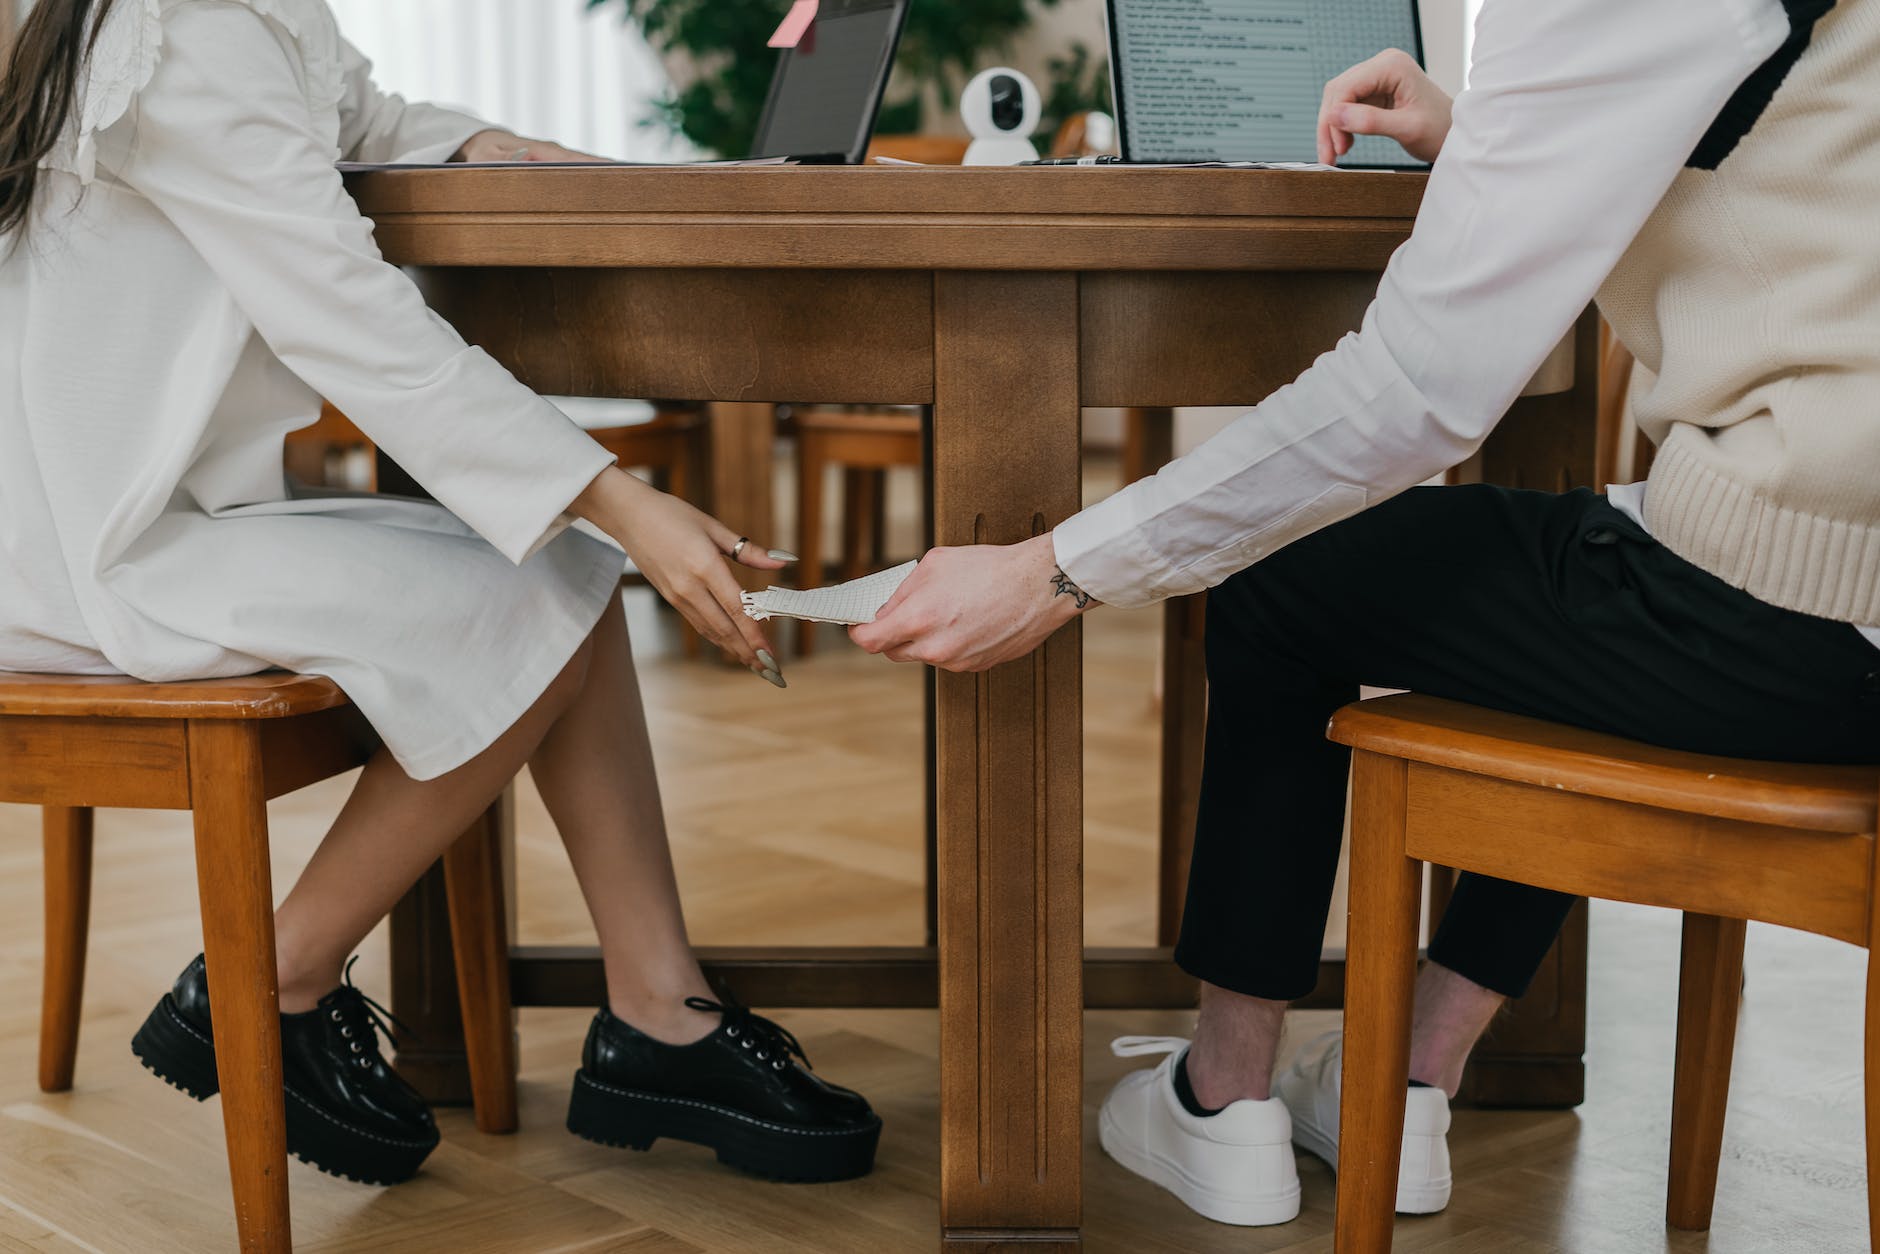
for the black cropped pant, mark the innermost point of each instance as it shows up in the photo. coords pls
(1555, 606)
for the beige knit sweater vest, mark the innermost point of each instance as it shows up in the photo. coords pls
(1753, 295)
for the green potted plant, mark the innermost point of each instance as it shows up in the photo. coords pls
(946, 41)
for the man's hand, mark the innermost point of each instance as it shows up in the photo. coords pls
(970, 609)
(495, 145)
(1387, 95)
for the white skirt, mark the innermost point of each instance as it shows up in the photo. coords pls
(441, 641)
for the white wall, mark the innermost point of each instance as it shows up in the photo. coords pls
(545, 68)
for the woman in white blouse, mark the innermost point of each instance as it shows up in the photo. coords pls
(184, 279)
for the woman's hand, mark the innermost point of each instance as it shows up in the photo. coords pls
(495, 145)
(686, 554)
(1387, 95)
(971, 609)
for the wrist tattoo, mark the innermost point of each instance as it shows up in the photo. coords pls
(1062, 586)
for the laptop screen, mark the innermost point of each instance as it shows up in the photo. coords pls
(1241, 80)
(828, 88)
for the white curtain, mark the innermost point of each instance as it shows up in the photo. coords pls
(546, 68)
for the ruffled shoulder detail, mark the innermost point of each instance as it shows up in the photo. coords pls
(129, 47)
(123, 58)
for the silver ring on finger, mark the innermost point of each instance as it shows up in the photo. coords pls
(738, 548)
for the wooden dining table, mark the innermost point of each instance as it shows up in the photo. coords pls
(1007, 301)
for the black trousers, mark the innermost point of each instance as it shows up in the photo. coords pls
(1555, 606)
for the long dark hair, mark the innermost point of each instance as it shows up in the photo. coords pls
(38, 94)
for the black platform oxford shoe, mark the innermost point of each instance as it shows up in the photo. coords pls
(348, 1112)
(744, 1091)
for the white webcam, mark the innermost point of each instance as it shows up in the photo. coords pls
(1001, 108)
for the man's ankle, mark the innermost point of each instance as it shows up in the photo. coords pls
(1235, 1044)
(1215, 1086)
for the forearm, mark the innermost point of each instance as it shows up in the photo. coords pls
(610, 502)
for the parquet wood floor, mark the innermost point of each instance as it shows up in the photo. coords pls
(812, 796)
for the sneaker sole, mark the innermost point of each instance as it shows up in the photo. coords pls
(1242, 1212)
(177, 1052)
(627, 1118)
(1426, 1200)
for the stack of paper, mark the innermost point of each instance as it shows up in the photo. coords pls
(850, 603)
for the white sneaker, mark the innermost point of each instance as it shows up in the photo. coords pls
(1310, 1089)
(1235, 1167)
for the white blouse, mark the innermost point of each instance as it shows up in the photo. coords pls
(195, 280)
(1578, 116)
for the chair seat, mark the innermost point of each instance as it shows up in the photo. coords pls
(270, 695)
(1460, 737)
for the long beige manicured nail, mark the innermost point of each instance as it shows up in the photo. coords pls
(775, 678)
(782, 555)
(770, 663)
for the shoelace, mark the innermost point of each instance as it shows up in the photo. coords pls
(753, 1031)
(362, 1021)
(1137, 1046)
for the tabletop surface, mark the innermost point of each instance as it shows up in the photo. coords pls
(893, 217)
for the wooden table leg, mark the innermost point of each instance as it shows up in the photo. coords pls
(432, 1057)
(1006, 450)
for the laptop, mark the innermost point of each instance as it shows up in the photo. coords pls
(1240, 81)
(827, 89)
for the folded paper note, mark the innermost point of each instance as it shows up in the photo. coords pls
(795, 22)
(856, 601)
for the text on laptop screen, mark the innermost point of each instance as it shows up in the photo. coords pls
(1241, 80)
(823, 99)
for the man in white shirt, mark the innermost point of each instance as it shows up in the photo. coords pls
(1707, 166)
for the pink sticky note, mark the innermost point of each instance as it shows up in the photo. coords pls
(795, 22)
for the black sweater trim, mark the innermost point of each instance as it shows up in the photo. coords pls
(1747, 104)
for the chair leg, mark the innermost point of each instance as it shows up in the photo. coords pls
(473, 876)
(1380, 970)
(878, 523)
(809, 529)
(234, 881)
(68, 919)
(861, 489)
(1710, 986)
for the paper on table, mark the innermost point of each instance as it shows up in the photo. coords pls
(856, 601)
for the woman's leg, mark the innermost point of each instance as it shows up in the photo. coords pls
(390, 830)
(595, 772)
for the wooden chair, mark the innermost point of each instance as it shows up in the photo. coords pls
(222, 748)
(866, 444)
(1724, 840)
